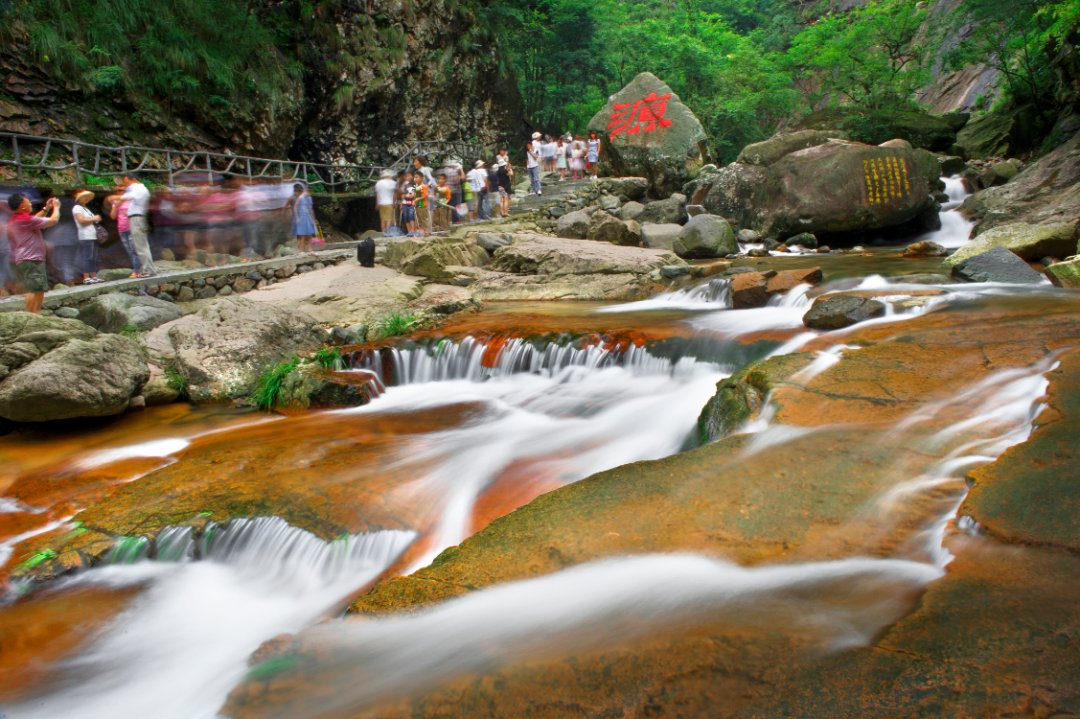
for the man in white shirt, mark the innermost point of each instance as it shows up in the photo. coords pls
(532, 163)
(478, 183)
(385, 189)
(138, 199)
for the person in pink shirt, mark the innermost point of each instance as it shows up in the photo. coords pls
(118, 210)
(28, 246)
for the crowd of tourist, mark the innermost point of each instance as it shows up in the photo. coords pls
(421, 200)
(64, 239)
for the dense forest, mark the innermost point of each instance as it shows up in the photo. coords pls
(745, 67)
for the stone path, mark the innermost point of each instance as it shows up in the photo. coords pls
(554, 192)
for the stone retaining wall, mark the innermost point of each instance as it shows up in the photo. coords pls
(204, 283)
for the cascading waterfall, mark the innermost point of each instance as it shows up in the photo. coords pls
(711, 295)
(609, 602)
(183, 642)
(955, 229)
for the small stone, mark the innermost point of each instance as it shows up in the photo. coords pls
(66, 312)
(136, 403)
(225, 291)
(319, 265)
(205, 293)
(824, 250)
(303, 269)
(758, 252)
(746, 236)
(243, 284)
(185, 294)
(673, 271)
(837, 311)
(924, 248)
(165, 297)
(806, 239)
(253, 275)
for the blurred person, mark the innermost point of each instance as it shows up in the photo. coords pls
(28, 246)
(118, 210)
(560, 158)
(532, 164)
(548, 151)
(303, 217)
(479, 185)
(7, 276)
(62, 243)
(385, 191)
(506, 181)
(577, 159)
(592, 154)
(422, 202)
(441, 201)
(422, 173)
(408, 206)
(85, 222)
(138, 210)
(494, 206)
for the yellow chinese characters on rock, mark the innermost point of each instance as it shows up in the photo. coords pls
(886, 179)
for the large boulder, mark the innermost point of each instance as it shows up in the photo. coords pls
(53, 368)
(574, 225)
(605, 228)
(706, 236)
(669, 210)
(1046, 191)
(997, 134)
(833, 187)
(660, 236)
(836, 311)
(647, 131)
(431, 258)
(222, 350)
(117, 311)
(997, 265)
(1031, 242)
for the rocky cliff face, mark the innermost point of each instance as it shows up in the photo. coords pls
(376, 77)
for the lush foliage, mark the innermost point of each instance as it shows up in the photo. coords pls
(748, 66)
(1027, 41)
(185, 54)
(268, 387)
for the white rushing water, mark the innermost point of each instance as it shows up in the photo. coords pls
(564, 411)
(955, 228)
(602, 604)
(184, 641)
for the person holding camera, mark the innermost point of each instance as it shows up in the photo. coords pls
(28, 246)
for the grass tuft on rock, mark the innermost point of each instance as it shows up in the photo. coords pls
(268, 387)
(329, 358)
(395, 325)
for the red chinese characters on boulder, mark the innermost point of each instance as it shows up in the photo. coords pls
(646, 114)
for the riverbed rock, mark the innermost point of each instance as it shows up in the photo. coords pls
(924, 248)
(1046, 191)
(833, 187)
(1030, 242)
(606, 228)
(660, 236)
(492, 241)
(631, 210)
(749, 289)
(221, 350)
(667, 151)
(706, 237)
(114, 311)
(54, 368)
(834, 312)
(430, 258)
(996, 265)
(312, 387)
(574, 225)
(671, 210)
(1065, 274)
(541, 267)
(805, 239)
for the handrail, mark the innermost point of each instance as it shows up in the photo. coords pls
(32, 153)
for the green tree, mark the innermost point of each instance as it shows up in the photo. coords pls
(870, 56)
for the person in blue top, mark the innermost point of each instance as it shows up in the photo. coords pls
(303, 217)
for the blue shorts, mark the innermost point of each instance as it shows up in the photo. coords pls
(408, 213)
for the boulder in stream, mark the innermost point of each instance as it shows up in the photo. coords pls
(997, 265)
(834, 312)
(53, 368)
(1065, 274)
(1027, 241)
(706, 237)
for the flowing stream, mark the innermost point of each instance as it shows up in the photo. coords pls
(520, 416)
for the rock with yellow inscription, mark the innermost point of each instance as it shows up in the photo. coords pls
(835, 186)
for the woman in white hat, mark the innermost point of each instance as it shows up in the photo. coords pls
(385, 190)
(532, 163)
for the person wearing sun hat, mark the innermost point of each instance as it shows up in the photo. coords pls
(86, 230)
(385, 189)
(532, 164)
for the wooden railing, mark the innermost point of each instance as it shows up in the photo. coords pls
(30, 158)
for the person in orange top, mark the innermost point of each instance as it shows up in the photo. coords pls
(442, 203)
(423, 209)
